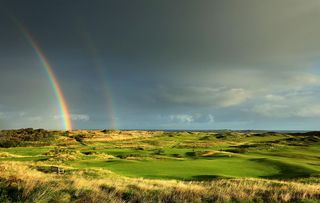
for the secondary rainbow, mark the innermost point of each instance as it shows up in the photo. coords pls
(63, 106)
(106, 90)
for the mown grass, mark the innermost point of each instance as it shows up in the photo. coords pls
(184, 169)
(220, 166)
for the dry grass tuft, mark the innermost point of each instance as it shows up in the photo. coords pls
(21, 182)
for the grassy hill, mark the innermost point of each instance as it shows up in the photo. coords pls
(156, 166)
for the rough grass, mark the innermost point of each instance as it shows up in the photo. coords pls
(22, 182)
(154, 166)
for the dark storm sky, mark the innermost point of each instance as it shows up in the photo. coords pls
(236, 64)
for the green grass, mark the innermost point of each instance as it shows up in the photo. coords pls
(26, 151)
(185, 169)
(179, 156)
(31, 158)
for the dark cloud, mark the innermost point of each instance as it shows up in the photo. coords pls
(151, 64)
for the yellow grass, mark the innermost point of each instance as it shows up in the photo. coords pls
(43, 187)
(96, 135)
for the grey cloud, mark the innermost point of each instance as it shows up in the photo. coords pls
(240, 61)
(23, 119)
(212, 97)
(278, 34)
(192, 118)
(74, 117)
(81, 117)
(12, 115)
(300, 104)
(288, 110)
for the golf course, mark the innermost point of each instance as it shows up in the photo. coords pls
(239, 166)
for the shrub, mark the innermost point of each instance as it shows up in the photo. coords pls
(237, 150)
(159, 152)
(23, 137)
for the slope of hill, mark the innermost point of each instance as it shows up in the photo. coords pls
(157, 166)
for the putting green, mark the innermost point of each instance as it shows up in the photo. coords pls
(185, 169)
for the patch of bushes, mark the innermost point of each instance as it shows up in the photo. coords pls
(124, 156)
(206, 137)
(25, 137)
(220, 136)
(108, 131)
(7, 143)
(159, 152)
(60, 154)
(152, 142)
(177, 155)
(195, 153)
(80, 138)
(10, 192)
(237, 150)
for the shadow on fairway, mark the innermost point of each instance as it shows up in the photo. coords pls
(286, 170)
(207, 177)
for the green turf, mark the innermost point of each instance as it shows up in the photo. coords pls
(175, 155)
(26, 151)
(186, 169)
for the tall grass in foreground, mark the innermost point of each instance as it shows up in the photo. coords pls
(22, 183)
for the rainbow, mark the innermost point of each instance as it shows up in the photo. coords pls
(107, 94)
(63, 106)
